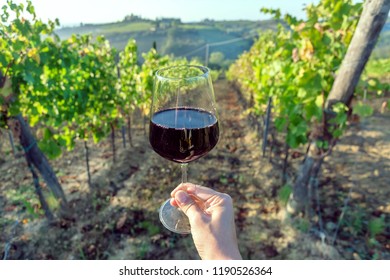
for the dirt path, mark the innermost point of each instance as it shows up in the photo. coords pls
(120, 219)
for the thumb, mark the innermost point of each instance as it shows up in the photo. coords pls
(187, 204)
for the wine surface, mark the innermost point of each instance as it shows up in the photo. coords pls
(183, 134)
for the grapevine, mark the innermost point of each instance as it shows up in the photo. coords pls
(66, 90)
(296, 66)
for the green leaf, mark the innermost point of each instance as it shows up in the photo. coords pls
(363, 110)
(6, 90)
(47, 134)
(337, 132)
(372, 82)
(284, 194)
(50, 147)
(280, 123)
(340, 108)
(376, 226)
(292, 140)
(322, 144)
(320, 101)
(302, 93)
(30, 8)
(151, 228)
(30, 209)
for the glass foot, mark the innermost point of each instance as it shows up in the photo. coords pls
(174, 219)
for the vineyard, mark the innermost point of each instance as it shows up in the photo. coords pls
(80, 181)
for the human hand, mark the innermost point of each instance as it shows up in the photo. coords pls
(211, 218)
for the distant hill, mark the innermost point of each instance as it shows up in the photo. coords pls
(386, 27)
(172, 36)
(382, 48)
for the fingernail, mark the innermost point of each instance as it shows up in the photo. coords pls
(182, 197)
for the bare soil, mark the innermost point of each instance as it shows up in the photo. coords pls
(119, 218)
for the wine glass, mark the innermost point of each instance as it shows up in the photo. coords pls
(183, 125)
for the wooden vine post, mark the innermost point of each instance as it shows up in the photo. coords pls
(36, 158)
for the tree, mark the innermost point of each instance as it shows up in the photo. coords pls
(372, 20)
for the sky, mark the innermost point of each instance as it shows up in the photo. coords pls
(73, 12)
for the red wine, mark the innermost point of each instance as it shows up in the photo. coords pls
(183, 134)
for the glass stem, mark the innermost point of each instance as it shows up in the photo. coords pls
(183, 172)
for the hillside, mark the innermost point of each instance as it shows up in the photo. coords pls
(189, 39)
(382, 49)
(174, 37)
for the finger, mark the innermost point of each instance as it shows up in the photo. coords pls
(173, 202)
(182, 186)
(187, 204)
(197, 190)
(196, 199)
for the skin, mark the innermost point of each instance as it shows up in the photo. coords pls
(211, 217)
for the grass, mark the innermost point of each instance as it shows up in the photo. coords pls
(379, 68)
(25, 200)
(195, 26)
(123, 27)
(284, 194)
(377, 75)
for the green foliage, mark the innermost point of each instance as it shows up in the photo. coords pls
(72, 89)
(25, 48)
(143, 249)
(50, 147)
(284, 194)
(76, 92)
(69, 88)
(30, 209)
(376, 77)
(126, 27)
(24, 199)
(128, 70)
(152, 62)
(296, 66)
(150, 227)
(302, 224)
(5, 222)
(354, 221)
(379, 67)
(357, 222)
(339, 121)
(363, 110)
(376, 226)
